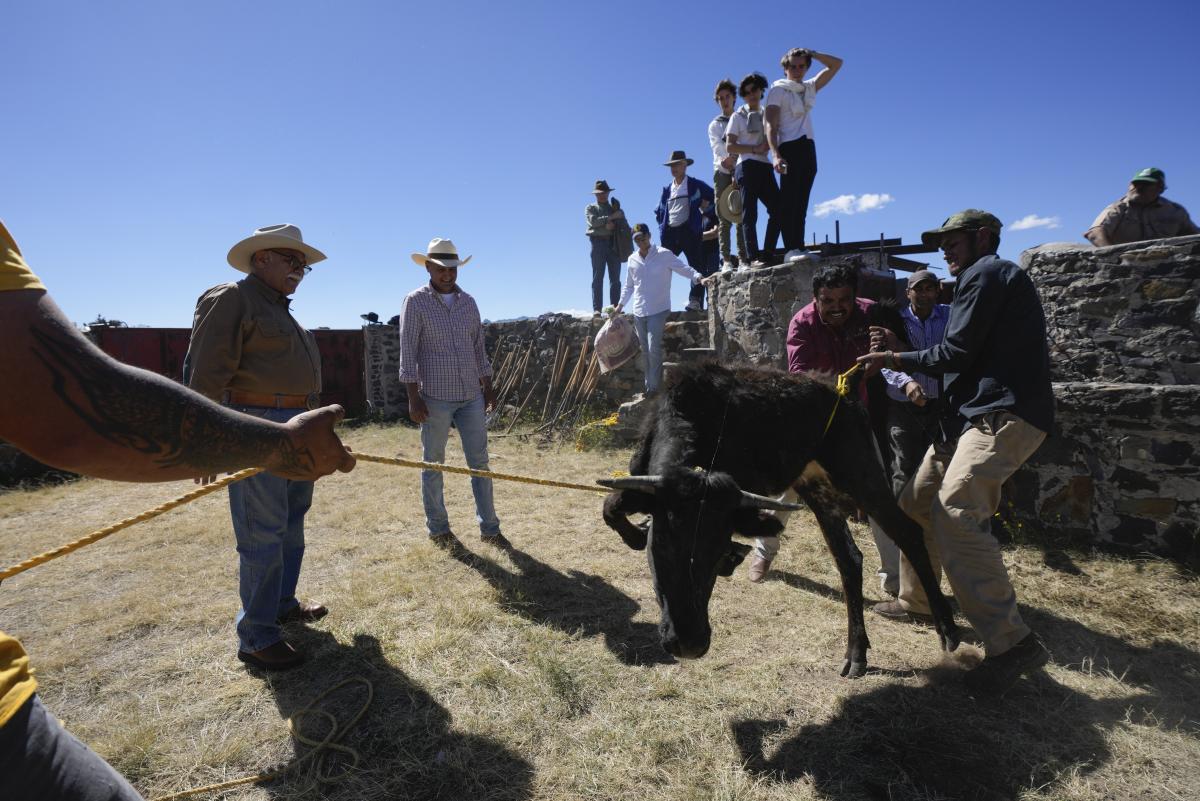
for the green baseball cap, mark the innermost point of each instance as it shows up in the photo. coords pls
(1151, 175)
(965, 219)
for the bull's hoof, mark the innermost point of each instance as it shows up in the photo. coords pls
(853, 669)
(950, 638)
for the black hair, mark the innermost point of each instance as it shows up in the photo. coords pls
(835, 275)
(755, 80)
(726, 84)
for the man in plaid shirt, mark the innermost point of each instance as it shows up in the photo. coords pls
(449, 380)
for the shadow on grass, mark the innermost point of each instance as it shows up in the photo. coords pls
(407, 747)
(572, 602)
(936, 742)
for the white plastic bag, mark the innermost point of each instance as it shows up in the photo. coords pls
(616, 343)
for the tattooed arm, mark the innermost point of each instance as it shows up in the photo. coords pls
(69, 405)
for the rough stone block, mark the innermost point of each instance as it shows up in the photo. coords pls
(1159, 509)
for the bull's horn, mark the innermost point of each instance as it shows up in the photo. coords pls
(647, 484)
(763, 502)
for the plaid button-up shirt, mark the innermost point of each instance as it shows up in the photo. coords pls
(442, 348)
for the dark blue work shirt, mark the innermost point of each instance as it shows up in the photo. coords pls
(994, 356)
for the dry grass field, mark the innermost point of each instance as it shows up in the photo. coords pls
(536, 674)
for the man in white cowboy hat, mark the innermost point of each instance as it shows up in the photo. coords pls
(606, 230)
(249, 353)
(143, 427)
(446, 371)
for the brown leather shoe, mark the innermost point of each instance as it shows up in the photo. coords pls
(304, 612)
(894, 610)
(280, 656)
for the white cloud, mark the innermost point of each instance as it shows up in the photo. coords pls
(1033, 221)
(853, 204)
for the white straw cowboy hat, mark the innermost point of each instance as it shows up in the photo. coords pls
(729, 205)
(286, 237)
(442, 253)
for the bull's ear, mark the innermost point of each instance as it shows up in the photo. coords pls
(730, 561)
(616, 508)
(756, 523)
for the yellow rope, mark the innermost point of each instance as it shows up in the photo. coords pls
(95, 536)
(467, 471)
(320, 748)
(843, 389)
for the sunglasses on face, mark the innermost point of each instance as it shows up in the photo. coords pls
(294, 262)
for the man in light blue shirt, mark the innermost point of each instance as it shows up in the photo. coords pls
(647, 291)
(915, 406)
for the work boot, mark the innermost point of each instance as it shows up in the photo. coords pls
(496, 540)
(280, 656)
(996, 674)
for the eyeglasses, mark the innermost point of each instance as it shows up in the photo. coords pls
(294, 261)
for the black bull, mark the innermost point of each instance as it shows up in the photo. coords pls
(717, 433)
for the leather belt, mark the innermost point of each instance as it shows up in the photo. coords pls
(236, 397)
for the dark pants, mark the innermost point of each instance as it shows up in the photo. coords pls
(681, 239)
(757, 181)
(40, 760)
(911, 430)
(710, 262)
(604, 253)
(795, 186)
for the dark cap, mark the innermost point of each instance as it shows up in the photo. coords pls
(967, 219)
(641, 229)
(1149, 175)
(920, 276)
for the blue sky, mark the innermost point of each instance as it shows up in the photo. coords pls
(142, 139)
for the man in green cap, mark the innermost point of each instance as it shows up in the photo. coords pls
(1142, 214)
(996, 369)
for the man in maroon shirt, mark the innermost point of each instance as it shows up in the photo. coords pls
(826, 337)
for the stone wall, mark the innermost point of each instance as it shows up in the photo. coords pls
(751, 309)
(1122, 468)
(1126, 313)
(387, 397)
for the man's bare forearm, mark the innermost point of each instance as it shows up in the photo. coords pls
(73, 407)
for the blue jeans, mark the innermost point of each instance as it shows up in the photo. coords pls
(41, 760)
(268, 523)
(604, 254)
(469, 418)
(650, 334)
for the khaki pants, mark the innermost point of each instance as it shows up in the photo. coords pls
(953, 495)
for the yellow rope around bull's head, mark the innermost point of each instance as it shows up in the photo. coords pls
(843, 389)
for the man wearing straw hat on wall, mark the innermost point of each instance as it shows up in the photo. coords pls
(249, 353)
(446, 371)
